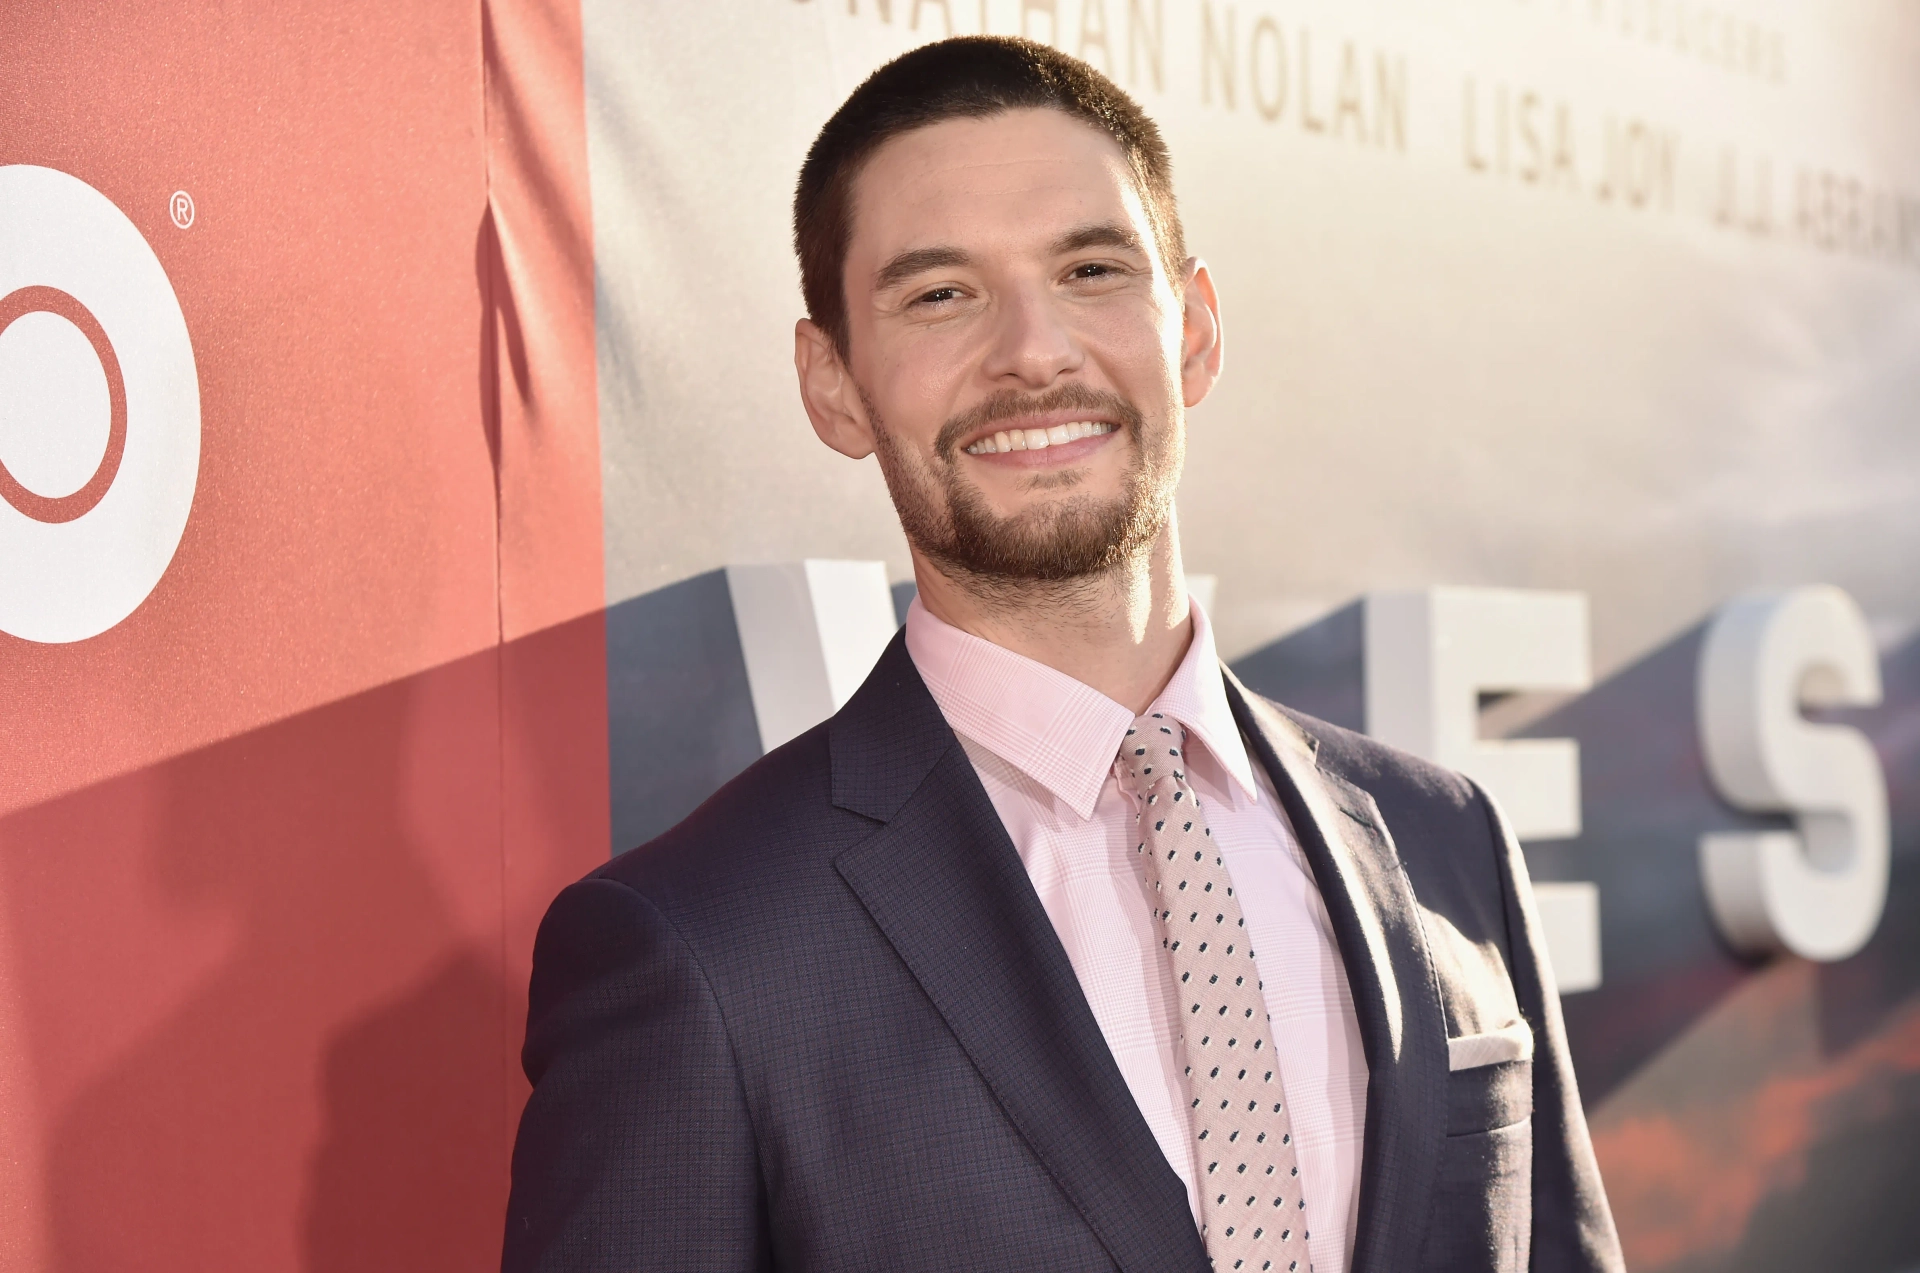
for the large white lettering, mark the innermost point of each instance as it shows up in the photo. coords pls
(1429, 656)
(1431, 653)
(1817, 891)
(810, 631)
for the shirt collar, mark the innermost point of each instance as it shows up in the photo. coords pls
(1059, 732)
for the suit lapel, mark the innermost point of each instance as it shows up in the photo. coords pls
(1376, 923)
(946, 887)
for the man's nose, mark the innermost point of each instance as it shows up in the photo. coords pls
(1032, 342)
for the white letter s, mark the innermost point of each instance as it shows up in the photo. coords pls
(1817, 891)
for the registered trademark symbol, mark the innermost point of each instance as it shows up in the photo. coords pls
(181, 208)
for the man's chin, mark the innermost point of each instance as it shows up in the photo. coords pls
(1054, 547)
(1043, 537)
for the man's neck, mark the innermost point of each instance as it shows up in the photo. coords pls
(1122, 633)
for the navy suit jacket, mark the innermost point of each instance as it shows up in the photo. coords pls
(825, 1023)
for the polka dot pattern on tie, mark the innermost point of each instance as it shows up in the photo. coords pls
(1251, 1204)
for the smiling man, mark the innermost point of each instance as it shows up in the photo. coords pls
(1056, 948)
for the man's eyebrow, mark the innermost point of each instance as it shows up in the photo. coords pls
(916, 261)
(1104, 234)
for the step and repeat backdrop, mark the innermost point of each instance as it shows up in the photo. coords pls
(404, 503)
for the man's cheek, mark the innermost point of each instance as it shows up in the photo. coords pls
(921, 388)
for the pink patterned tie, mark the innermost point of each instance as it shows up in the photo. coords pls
(1252, 1214)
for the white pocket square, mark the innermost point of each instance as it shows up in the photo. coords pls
(1512, 1042)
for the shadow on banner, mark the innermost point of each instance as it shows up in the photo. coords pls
(271, 991)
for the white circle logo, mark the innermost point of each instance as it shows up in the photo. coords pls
(99, 410)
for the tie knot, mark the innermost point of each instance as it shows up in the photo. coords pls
(1154, 749)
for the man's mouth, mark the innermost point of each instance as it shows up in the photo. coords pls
(1038, 439)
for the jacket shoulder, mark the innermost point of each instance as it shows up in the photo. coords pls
(770, 823)
(1392, 776)
(1443, 833)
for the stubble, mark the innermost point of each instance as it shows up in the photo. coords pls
(1076, 537)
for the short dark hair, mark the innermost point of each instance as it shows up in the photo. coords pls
(966, 77)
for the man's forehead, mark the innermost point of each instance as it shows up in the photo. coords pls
(1016, 166)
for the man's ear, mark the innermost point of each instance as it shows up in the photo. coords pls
(829, 394)
(1204, 341)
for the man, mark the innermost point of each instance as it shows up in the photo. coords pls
(1055, 948)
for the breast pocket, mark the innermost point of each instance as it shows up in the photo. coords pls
(1483, 1198)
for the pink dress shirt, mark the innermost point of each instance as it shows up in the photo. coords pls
(1045, 748)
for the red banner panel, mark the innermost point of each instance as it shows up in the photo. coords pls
(273, 841)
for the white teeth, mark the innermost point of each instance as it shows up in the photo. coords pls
(1039, 439)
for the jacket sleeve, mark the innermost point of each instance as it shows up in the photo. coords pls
(1573, 1228)
(635, 1150)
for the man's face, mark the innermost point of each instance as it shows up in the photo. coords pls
(1016, 346)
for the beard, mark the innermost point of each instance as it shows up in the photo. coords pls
(948, 519)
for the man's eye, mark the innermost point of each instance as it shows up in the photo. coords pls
(1092, 269)
(937, 296)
